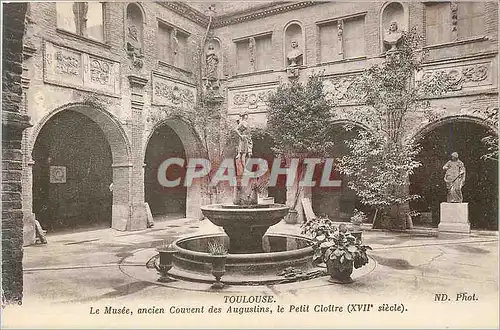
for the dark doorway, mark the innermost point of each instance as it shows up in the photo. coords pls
(165, 201)
(481, 183)
(338, 203)
(72, 173)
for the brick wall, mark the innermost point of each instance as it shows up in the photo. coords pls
(13, 123)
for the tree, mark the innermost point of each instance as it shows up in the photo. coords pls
(297, 116)
(379, 163)
(491, 141)
(297, 121)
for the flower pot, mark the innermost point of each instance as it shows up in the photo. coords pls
(166, 263)
(218, 270)
(357, 234)
(337, 275)
(292, 217)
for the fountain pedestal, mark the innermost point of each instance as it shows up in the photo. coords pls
(245, 239)
(245, 224)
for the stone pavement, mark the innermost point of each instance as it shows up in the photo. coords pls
(93, 269)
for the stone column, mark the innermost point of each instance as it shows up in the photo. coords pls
(138, 214)
(13, 125)
(27, 176)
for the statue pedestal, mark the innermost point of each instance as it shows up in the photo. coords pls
(454, 218)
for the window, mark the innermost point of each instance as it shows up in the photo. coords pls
(172, 45)
(242, 57)
(82, 18)
(254, 54)
(438, 23)
(341, 38)
(330, 43)
(165, 43)
(263, 53)
(470, 20)
(354, 37)
(447, 22)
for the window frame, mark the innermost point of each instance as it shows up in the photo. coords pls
(455, 38)
(246, 39)
(167, 62)
(104, 42)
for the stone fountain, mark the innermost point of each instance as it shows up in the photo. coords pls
(245, 221)
(253, 257)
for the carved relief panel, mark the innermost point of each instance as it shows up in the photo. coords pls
(71, 68)
(62, 65)
(464, 76)
(168, 92)
(250, 99)
(341, 90)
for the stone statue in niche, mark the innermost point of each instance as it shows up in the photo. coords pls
(134, 49)
(211, 69)
(212, 62)
(454, 178)
(294, 60)
(294, 56)
(392, 37)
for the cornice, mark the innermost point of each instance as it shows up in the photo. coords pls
(186, 11)
(266, 10)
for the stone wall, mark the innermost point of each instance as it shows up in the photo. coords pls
(13, 124)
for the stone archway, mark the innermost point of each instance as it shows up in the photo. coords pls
(338, 203)
(191, 147)
(118, 167)
(438, 139)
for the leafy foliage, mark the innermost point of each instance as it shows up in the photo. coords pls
(491, 141)
(297, 118)
(216, 248)
(379, 164)
(358, 217)
(378, 169)
(335, 244)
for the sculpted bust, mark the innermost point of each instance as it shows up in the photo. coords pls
(392, 36)
(294, 56)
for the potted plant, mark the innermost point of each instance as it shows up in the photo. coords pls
(357, 219)
(166, 252)
(219, 256)
(336, 247)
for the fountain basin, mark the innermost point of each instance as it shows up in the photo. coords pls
(279, 252)
(245, 225)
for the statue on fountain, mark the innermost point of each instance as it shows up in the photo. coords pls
(245, 145)
(243, 195)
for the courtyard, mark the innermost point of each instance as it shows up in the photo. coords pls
(77, 271)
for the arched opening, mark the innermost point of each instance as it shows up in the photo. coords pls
(262, 145)
(338, 203)
(481, 185)
(72, 173)
(165, 202)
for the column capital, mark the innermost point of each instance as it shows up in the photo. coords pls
(137, 81)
